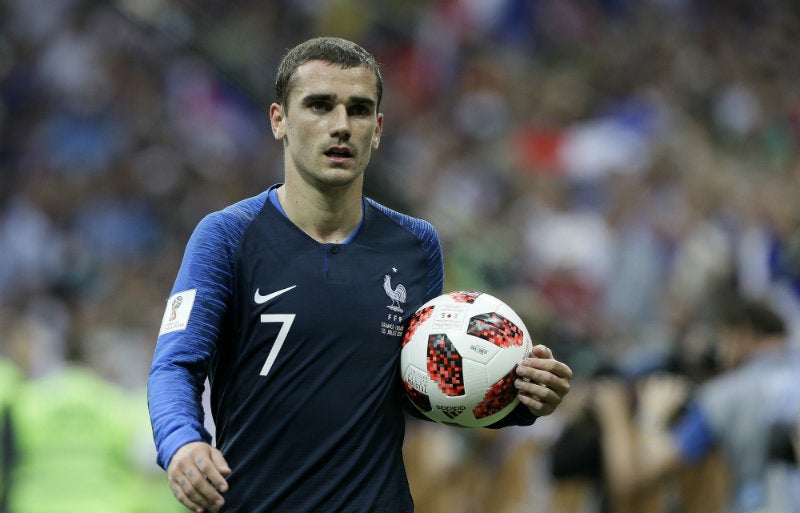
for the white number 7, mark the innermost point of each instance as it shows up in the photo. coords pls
(286, 321)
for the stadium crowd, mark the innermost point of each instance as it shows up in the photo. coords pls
(611, 168)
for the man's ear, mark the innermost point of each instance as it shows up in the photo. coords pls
(277, 118)
(376, 139)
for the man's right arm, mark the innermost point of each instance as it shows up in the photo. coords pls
(187, 340)
(186, 344)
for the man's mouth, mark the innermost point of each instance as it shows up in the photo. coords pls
(339, 152)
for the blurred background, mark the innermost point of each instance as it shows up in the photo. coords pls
(611, 168)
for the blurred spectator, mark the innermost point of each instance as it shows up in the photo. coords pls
(737, 412)
(10, 380)
(76, 441)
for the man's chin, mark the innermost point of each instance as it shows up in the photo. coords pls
(338, 178)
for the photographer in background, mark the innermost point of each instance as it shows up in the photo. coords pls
(736, 412)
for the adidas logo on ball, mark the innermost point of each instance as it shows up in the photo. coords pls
(451, 411)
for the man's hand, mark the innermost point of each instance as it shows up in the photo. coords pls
(660, 398)
(196, 474)
(542, 381)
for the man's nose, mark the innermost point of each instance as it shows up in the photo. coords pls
(340, 124)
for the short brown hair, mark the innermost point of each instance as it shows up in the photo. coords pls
(333, 50)
(753, 314)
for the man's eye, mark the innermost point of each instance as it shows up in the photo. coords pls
(360, 110)
(319, 106)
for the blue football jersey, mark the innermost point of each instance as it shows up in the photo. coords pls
(301, 343)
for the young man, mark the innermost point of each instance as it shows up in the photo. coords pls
(279, 301)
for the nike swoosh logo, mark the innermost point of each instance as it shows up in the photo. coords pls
(260, 300)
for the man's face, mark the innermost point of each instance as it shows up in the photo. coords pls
(733, 346)
(330, 124)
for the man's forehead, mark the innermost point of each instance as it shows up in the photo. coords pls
(324, 78)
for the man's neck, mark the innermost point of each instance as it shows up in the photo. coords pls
(325, 217)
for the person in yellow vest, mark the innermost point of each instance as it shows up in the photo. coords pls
(73, 439)
(10, 379)
(154, 494)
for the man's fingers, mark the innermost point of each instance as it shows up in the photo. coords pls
(542, 351)
(544, 381)
(196, 490)
(184, 499)
(220, 463)
(214, 468)
(547, 372)
(551, 365)
(540, 392)
(535, 405)
(196, 476)
(539, 400)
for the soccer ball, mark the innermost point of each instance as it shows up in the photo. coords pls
(459, 356)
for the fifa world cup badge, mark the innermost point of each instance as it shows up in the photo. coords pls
(175, 304)
(176, 315)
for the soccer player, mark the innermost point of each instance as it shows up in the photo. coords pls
(280, 300)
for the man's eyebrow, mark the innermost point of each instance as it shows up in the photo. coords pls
(311, 98)
(362, 100)
(353, 100)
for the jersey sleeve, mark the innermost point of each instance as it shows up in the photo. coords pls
(692, 435)
(189, 332)
(432, 246)
(519, 416)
